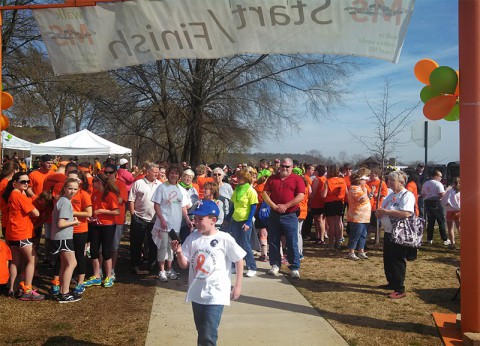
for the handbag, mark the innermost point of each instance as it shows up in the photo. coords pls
(408, 231)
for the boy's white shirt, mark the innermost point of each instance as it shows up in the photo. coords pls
(210, 260)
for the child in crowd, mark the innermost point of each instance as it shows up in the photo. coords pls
(62, 239)
(451, 201)
(208, 253)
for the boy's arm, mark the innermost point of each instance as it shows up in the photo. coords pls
(237, 289)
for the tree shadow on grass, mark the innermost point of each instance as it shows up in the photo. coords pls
(335, 286)
(68, 340)
(347, 319)
(441, 297)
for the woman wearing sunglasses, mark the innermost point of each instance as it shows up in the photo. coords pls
(19, 234)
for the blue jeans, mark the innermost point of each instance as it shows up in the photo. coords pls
(358, 235)
(286, 224)
(207, 319)
(243, 240)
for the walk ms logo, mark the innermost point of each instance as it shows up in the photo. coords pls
(203, 263)
(69, 34)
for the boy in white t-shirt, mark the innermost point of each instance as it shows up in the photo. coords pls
(208, 253)
(170, 202)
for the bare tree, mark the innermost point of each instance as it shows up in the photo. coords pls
(389, 123)
(196, 108)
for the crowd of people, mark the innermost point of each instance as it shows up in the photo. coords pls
(268, 209)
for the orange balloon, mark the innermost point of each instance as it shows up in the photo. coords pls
(4, 122)
(457, 90)
(7, 100)
(439, 107)
(423, 68)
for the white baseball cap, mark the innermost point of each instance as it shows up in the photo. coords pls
(123, 161)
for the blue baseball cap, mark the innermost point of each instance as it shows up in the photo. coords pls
(205, 208)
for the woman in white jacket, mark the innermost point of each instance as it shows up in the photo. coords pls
(451, 201)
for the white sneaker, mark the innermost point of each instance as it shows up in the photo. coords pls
(274, 270)
(162, 277)
(295, 274)
(430, 242)
(352, 256)
(112, 275)
(362, 255)
(251, 273)
(447, 242)
(172, 274)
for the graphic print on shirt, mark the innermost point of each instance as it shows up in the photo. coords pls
(173, 199)
(203, 263)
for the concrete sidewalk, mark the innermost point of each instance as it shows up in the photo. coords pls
(269, 312)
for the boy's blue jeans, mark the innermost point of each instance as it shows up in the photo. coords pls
(207, 319)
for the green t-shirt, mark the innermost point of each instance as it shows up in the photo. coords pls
(243, 204)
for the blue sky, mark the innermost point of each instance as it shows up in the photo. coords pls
(433, 34)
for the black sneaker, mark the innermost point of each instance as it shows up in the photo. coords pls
(69, 298)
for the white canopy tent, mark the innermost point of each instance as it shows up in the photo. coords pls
(82, 143)
(10, 141)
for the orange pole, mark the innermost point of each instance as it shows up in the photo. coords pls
(469, 54)
(1, 74)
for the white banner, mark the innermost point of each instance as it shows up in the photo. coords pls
(110, 36)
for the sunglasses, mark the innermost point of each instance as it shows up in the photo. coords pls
(217, 175)
(23, 181)
(285, 166)
(109, 172)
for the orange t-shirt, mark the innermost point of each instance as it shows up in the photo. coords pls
(80, 201)
(316, 199)
(310, 181)
(304, 204)
(3, 204)
(90, 183)
(110, 203)
(201, 181)
(5, 256)
(412, 187)
(259, 188)
(383, 193)
(122, 188)
(140, 176)
(97, 167)
(336, 189)
(359, 208)
(19, 225)
(37, 179)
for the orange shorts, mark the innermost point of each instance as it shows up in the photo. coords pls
(453, 216)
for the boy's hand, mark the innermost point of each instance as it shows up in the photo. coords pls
(175, 246)
(235, 294)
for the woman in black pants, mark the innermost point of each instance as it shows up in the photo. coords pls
(400, 204)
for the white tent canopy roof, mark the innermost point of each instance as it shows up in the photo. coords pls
(10, 141)
(82, 143)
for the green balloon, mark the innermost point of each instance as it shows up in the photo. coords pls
(454, 114)
(444, 80)
(427, 93)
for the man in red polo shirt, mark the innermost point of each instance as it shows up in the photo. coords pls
(283, 193)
